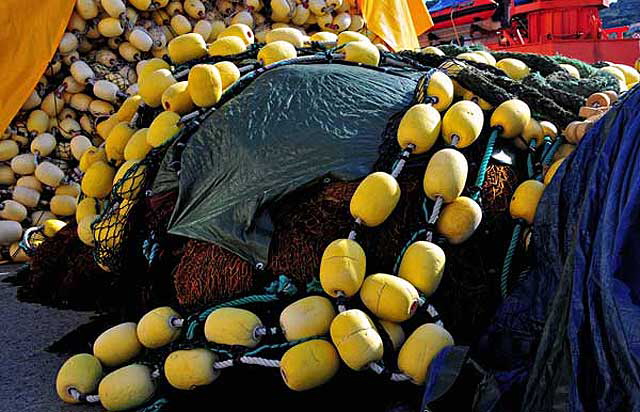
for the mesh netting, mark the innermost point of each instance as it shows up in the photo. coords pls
(111, 229)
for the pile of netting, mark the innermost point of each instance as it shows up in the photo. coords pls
(436, 199)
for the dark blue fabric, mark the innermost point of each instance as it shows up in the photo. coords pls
(438, 5)
(568, 337)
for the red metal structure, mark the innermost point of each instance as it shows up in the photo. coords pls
(569, 27)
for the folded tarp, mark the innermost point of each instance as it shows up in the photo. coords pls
(289, 128)
(568, 337)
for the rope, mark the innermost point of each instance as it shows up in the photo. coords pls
(532, 153)
(395, 377)
(269, 363)
(546, 160)
(435, 214)
(508, 259)
(314, 286)
(282, 286)
(279, 345)
(156, 406)
(482, 170)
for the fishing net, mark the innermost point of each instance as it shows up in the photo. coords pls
(112, 228)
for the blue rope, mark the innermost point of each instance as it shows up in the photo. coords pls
(508, 259)
(281, 286)
(546, 160)
(532, 153)
(482, 170)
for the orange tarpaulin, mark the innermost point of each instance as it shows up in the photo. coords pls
(30, 31)
(397, 22)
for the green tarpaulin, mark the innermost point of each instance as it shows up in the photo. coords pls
(289, 128)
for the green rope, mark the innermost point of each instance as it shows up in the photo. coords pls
(413, 238)
(157, 406)
(314, 286)
(280, 345)
(281, 286)
(532, 153)
(508, 259)
(482, 170)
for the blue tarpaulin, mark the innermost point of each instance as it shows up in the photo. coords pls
(568, 337)
(437, 5)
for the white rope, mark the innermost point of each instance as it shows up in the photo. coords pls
(400, 164)
(176, 322)
(79, 397)
(435, 214)
(353, 233)
(395, 377)
(248, 360)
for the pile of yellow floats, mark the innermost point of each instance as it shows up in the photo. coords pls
(75, 136)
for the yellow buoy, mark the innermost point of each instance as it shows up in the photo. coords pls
(163, 128)
(361, 52)
(356, 339)
(52, 226)
(159, 327)
(226, 46)
(137, 147)
(85, 234)
(117, 141)
(126, 388)
(511, 117)
(375, 198)
(10, 232)
(98, 180)
(342, 268)
(463, 122)
(351, 36)
(533, 131)
(240, 31)
(187, 47)
(189, 369)
(229, 73)
(205, 85)
(63, 205)
(81, 372)
(287, 34)
(177, 99)
(86, 207)
(389, 297)
(309, 365)
(90, 156)
(153, 85)
(525, 200)
(422, 265)
(514, 68)
(432, 50)
(117, 345)
(233, 326)
(441, 88)
(419, 350)
(552, 171)
(307, 317)
(420, 126)
(395, 333)
(276, 51)
(445, 175)
(459, 220)
(129, 187)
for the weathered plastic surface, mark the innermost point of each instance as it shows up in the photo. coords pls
(291, 127)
